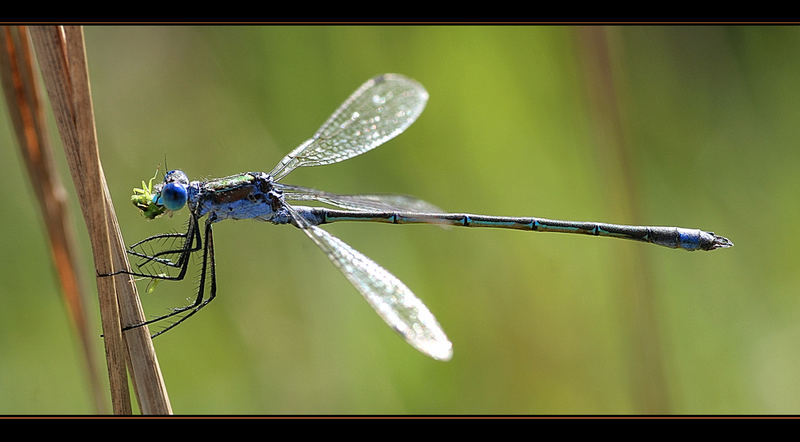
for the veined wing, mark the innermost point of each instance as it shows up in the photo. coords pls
(390, 298)
(376, 112)
(380, 202)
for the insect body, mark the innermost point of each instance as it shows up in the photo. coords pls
(380, 109)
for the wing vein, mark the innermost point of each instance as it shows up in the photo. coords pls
(388, 296)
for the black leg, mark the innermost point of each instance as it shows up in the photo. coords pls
(155, 256)
(192, 237)
(208, 265)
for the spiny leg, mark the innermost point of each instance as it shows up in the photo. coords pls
(192, 236)
(155, 256)
(208, 255)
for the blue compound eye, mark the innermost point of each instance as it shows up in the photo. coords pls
(173, 196)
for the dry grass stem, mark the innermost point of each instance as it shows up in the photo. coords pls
(648, 379)
(62, 60)
(24, 105)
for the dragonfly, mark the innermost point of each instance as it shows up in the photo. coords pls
(379, 110)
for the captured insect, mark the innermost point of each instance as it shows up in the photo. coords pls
(376, 112)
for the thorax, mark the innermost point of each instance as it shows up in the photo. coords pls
(244, 196)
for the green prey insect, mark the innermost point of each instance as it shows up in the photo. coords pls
(144, 200)
(378, 111)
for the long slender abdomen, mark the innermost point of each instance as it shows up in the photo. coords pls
(674, 237)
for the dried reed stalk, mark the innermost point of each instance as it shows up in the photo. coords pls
(27, 117)
(648, 379)
(62, 59)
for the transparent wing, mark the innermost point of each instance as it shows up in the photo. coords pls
(376, 112)
(390, 298)
(384, 202)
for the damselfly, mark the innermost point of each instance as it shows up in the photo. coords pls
(380, 109)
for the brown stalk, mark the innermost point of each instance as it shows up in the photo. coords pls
(24, 106)
(61, 55)
(647, 366)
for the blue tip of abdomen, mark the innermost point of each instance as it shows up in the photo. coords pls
(689, 239)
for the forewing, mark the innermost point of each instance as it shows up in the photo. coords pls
(378, 202)
(376, 112)
(390, 298)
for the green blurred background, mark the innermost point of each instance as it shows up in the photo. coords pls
(690, 126)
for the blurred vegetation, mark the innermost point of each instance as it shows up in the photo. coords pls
(689, 126)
